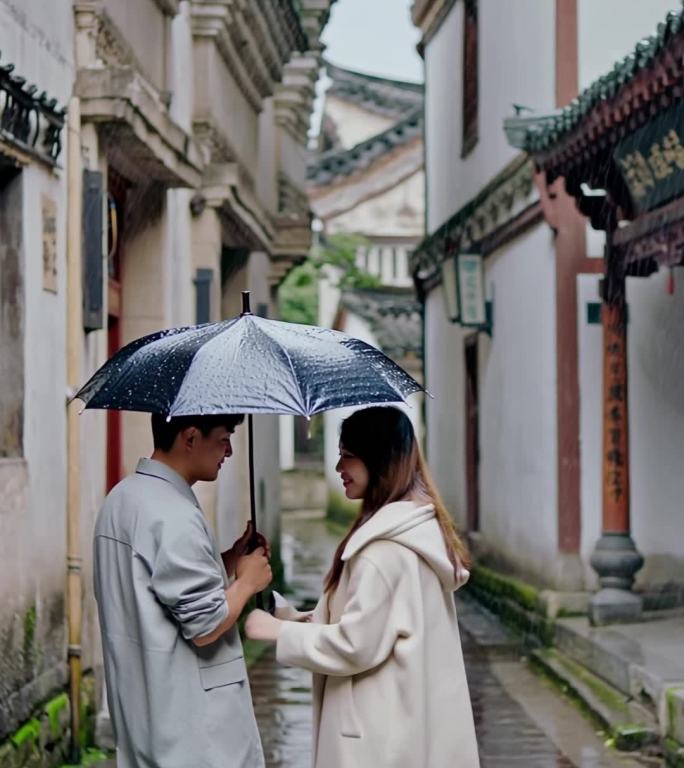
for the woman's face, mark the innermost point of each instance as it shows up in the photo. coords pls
(353, 473)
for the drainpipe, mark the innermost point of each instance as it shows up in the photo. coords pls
(73, 333)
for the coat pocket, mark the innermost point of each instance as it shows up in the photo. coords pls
(349, 721)
(224, 673)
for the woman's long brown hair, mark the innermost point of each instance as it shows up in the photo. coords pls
(383, 438)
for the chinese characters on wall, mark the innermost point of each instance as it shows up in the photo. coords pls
(615, 433)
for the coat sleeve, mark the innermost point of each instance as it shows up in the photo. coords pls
(363, 638)
(187, 579)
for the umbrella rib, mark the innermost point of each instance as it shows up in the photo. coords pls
(294, 375)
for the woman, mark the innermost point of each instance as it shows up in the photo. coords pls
(383, 643)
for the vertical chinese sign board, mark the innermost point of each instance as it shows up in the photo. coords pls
(471, 290)
(615, 431)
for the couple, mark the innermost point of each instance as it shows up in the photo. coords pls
(383, 642)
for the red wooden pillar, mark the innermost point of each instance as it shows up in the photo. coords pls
(615, 420)
(615, 558)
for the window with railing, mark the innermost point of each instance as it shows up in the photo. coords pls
(386, 261)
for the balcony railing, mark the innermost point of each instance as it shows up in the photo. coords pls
(28, 119)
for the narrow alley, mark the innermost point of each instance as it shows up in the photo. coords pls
(520, 719)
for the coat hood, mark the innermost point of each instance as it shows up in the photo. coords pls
(413, 526)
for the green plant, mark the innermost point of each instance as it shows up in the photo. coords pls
(340, 250)
(298, 294)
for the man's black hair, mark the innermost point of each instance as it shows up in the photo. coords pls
(164, 432)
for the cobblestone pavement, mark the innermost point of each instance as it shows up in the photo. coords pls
(520, 721)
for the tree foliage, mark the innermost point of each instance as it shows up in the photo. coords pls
(298, 294)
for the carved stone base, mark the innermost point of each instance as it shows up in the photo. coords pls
(616, 561)
(614, 606)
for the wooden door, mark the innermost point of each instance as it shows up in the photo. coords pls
(115, 243)
(472, 435)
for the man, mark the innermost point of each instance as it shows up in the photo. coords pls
(168, 603)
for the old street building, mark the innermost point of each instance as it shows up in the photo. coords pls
(179, 182)
(624, 171)
(35, 47)
(550, 277)
(366, 182)
(514, 432)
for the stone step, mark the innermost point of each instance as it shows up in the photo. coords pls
(632, 725)
(644, 661)
(485, 633)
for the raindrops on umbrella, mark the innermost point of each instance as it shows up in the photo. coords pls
(247, 364)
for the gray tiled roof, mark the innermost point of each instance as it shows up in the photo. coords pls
(379, 95)
(393, 315)
(324, 168)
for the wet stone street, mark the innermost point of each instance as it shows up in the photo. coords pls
(520, 719)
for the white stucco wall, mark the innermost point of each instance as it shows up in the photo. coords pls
(518, 73)
(353, 123)
(590, 373)
(38, 41)
(517, 368)
(656, 400)
(445, 411)
(656, 404)
(396, 212)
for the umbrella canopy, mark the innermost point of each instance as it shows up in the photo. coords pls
(246, 365)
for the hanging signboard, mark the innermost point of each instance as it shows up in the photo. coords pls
(471, 290)
(651, 160)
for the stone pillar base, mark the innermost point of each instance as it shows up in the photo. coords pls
(611, 606)
(615, 560)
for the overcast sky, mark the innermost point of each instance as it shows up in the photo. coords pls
(374, 36)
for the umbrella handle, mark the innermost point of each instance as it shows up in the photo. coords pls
(252, 506)
(252, 502)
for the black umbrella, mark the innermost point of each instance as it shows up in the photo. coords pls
(246, 365)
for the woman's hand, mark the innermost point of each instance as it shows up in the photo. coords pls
(286, 611)
(262, 626)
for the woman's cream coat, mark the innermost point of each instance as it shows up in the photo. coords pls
(390, 689)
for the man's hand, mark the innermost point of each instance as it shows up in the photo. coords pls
(241, 547)
(262, 626)
(254, 571)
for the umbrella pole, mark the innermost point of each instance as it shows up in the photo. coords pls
(252, 502)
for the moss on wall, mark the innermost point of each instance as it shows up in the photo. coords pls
(43, 740)
(515, 602)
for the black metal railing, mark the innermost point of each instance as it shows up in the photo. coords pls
(29, 119)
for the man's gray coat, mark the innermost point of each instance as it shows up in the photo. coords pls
(159, 582)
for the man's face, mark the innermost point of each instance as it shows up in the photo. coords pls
(208, 453)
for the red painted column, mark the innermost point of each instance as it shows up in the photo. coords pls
(615, 558)
(615, 420)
